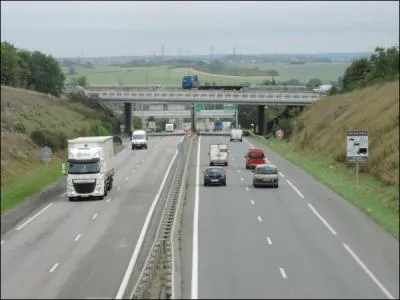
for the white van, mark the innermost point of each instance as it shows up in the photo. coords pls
(236, 135)
(139, 139)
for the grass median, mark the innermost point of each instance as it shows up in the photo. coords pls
(373, 197)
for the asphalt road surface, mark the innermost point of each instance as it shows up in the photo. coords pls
(298, 241)
(82, 249)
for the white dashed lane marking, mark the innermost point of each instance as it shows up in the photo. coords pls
(95, 216)
(77, 237)
(268, 240)
(283, 273)
(54, 267)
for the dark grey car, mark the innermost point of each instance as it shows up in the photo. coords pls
(214, 175)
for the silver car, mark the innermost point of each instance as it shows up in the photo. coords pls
(266, 175)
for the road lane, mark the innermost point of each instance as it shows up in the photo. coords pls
(290, 248)
(377, 249)
(229, 234)
(93, 265)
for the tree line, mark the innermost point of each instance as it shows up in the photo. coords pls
(383, 65)
(30, 70)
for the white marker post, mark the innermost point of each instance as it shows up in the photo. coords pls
(357, 149)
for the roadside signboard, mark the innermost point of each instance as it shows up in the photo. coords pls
(279, 133)
(46, 154)
(357, 146)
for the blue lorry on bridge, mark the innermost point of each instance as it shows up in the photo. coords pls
(192, 82)
(218, 126)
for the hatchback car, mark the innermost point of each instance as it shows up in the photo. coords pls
(214, 175)
(266, 175)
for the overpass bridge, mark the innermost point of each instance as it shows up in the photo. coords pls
(259, 97)
(219, 113)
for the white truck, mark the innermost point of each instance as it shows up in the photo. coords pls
(89, 171)
(169, 127)
(218, 154)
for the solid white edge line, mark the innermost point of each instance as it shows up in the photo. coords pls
(35, 216)
(295, 189)
(283, 273)
(369, 273)
(135, 254)
(322, 219)
(54, 267)
(195, 254)
(281, 174)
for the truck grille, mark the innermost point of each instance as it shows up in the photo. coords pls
(84, 188)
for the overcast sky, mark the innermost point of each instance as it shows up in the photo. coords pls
(116, 28)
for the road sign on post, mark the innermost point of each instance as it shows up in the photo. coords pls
(357, 148)
(198, 107)
(46, 155)
(357, 145)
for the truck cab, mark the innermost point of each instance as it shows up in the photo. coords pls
(254, 156)
(139, 139)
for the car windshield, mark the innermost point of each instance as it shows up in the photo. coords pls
(255, 155)
(214, 171)
(84, 168)
(138, 137)
(266, 170)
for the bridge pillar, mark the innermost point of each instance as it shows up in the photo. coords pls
(261, 119)
(128, 118)
(193, 117)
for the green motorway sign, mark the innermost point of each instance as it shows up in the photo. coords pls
(229, 107)
(198, 107)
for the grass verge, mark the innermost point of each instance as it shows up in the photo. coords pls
(373, 197)
(17, 191)
(14, 193)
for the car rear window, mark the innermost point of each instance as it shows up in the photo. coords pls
(255, 155)
(266, 170)
(214, 171)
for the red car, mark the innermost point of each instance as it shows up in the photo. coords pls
(255, 156)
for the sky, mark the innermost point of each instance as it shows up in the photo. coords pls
(128, 28)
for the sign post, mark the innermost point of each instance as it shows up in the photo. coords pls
(357, 148)
(46, 155)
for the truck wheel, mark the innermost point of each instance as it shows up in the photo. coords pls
(241, 140)
(105, 191)
(110, 185)
(133, 148)
(145, 147)
(226, 164)
(71, 198)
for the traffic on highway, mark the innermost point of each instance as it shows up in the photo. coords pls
(297, 241)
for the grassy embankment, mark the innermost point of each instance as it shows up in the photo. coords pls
(163, 75)
(319, 147)
(22, 112)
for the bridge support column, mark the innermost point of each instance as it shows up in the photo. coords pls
(128, 118)
(193, 117)
(261, 119)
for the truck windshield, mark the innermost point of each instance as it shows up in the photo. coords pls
(84, 167)
(138, 137)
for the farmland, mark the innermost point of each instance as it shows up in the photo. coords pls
(102, 74)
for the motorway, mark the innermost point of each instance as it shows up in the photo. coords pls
(82, 249)
(298, 241)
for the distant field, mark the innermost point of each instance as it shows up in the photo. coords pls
(162, 75)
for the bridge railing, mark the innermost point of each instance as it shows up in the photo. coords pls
(209, 96)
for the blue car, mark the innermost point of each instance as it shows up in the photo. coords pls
(214, 175)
